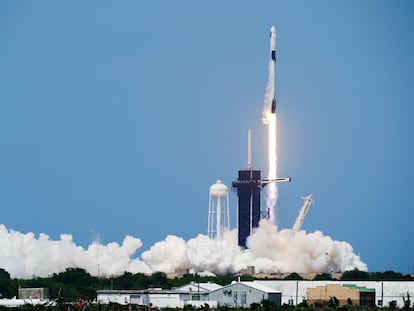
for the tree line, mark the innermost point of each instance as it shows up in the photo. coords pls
(76, 284)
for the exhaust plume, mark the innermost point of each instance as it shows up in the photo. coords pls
(270, 251)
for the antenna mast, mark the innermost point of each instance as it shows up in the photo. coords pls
(249, 149)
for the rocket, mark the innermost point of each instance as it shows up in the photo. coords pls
(273, 43)
(273, 58)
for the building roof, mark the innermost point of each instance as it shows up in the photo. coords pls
(199, 287)
(138, 291)
(254, 285)
(362, 289)
(260, 287)
(297, 288)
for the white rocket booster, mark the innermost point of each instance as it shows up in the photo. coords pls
(273, 59)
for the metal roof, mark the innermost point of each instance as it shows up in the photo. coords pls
(362, 289)
(384, 290)
(254, 285)
(202, 287)
(260, 287)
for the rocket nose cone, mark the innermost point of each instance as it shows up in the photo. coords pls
(273, 29)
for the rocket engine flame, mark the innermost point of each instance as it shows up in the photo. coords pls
(271, 188)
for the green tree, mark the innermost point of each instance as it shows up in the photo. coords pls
(7, 287)
(159, 279)
(333, 302)
(355, 275)
(4, 274)
(74, 276)
(390, 275)
(268, 305)
(75, 284)
(293, 276)
(322, 276)
(123, 282)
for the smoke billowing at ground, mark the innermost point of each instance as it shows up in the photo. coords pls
(25, 255)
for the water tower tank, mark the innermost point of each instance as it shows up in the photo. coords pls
(218, 210)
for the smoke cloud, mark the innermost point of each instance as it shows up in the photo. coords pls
(25, 256)
(270, 251)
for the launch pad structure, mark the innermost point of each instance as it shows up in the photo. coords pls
(248, 186)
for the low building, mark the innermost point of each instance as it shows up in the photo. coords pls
(156, 297)
(387, 293)
(122, 297)
(191, 294)
(243, 294)
(15, 303)
(33, 293)
(31, 296)
(197, 291)
(342, 295)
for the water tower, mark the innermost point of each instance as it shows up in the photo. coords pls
(218, 210)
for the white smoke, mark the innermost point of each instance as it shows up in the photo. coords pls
(167, 256)
(25, 256)
(270, 251)
(301, 252)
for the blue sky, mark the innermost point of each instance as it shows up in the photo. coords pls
(116, 117)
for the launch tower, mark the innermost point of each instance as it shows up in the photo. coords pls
(248, 187)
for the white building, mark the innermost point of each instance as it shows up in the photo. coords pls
(386, 292)
(122, 297)
(243, 294)
(196, 294)
(156, 297)
(5, 302)
(197, 291)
